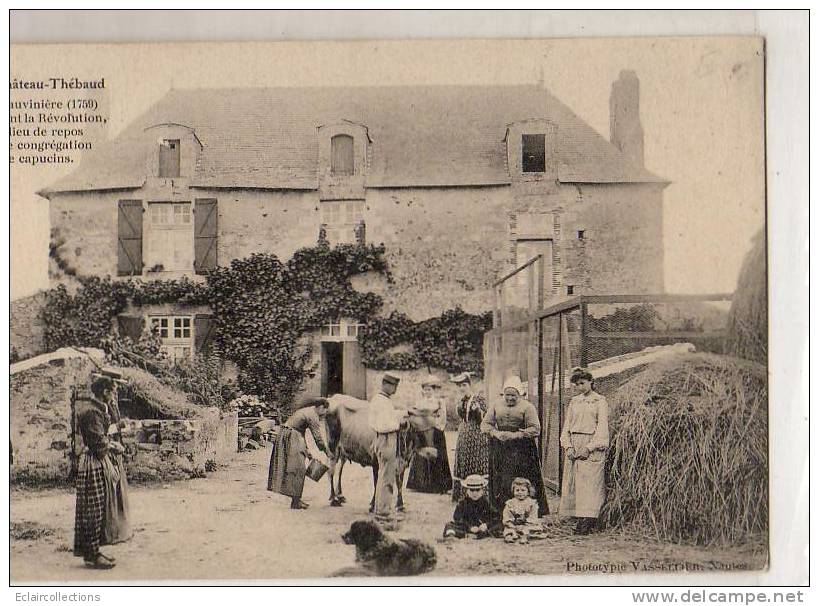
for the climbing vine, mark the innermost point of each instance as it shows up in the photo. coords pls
(453, 341)
(263, 313)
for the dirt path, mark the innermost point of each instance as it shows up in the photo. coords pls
(228, 526)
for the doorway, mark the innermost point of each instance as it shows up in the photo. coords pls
(332, 365)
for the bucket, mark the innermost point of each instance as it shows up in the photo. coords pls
(316, 470)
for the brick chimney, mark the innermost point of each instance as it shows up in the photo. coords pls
(624, 108)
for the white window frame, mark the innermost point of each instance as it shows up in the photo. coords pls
(340, 218)
(343, 329)
(176, 344)
(169, 241)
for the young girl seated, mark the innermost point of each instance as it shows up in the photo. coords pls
(473, 514)
(520, 513)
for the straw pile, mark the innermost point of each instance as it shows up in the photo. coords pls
(748, 320)
(149, 398)
(689, 455)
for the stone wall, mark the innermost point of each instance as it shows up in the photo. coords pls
(26, 327)
(40, 420)
(445, 246)
(622, 247)
(265, 222)
(86, 226)
(179, 448)
(40, 426)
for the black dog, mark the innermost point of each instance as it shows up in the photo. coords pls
(380, 555)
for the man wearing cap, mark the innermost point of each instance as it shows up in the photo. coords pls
(385, 419)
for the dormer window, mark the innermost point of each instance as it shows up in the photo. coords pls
(169, 158)
(534, 153)
(342, 155)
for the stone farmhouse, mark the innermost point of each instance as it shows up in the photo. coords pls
(461, 184)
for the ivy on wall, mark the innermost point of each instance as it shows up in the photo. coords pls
(452, 341)
(264, 309)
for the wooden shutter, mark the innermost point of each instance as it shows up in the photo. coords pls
(130, 326)
(206, 225)
(129, 238)
(169, 158)
(355, 375)
(203, 333)
(341, 155)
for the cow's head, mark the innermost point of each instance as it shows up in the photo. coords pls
(419, 426)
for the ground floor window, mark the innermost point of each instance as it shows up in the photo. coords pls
(342, 329)
(176, 333)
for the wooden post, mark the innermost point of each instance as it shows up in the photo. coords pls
(584, 331)
(540, 399)
(73, 452)
(559, 399)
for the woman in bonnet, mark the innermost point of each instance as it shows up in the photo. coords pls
(513, 426)
(431, 474)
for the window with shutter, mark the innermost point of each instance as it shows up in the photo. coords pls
(206, 233)
(130, 326)
(202, 329)
(129, 238)
(342, 159)
(169, 158)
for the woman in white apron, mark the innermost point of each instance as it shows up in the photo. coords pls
(585, 440)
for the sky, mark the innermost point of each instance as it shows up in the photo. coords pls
(702, 110)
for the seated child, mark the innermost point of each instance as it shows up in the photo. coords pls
(520, 513)
(473, 513)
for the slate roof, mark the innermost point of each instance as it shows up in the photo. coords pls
(422, 136)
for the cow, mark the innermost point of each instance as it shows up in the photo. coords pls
(350, 438)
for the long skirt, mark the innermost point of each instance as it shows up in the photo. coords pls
(89, 520)
(117, 526)
(471, 455)
(287, 468)
(431, 475)
(583, 490)
(514, 459)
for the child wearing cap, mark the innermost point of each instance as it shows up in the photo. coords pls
(473, 514)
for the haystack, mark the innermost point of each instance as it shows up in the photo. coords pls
(748, 320)
(689, 455)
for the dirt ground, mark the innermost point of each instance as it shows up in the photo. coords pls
(228, 527)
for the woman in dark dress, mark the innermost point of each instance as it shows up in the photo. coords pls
(287, 461)
(472, 447)
(512, 425)
(431, 474)
(96, 474)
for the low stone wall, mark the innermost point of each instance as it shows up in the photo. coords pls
(40, 420)
(40, 425)
(164, 449)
